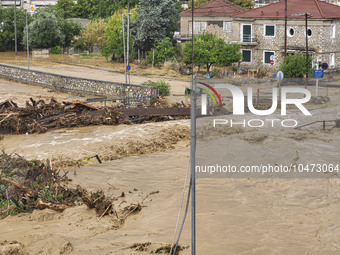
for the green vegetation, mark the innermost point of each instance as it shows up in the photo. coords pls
(209, 50)
(92, 9)
(163, 87)
(296, 66)
(48, 29)
(163, 51)
(246, 4)
(156, 21)
(114, 34)
(7, 28)
(94, 34)
(56, 50)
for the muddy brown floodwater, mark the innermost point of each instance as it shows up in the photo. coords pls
(244, 216)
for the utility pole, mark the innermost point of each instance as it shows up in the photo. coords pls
(15, 28)
(193, 140)
(28, 47)
(285, 50)
(128, 36)
(306, 22)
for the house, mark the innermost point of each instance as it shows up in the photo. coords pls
(336, 2)
(213, 17)
(261, 32)
(26, 3)
(260, 3)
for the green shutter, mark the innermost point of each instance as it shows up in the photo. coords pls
(270, 30)
(246, 33)
(267, 57)
(246, 55)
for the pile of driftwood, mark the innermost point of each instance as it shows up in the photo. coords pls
(29, 185)
(38, 116)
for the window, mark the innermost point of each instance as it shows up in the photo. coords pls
(309, 32)
(227, 26)
(290, 32)
(333, 31)
(332, 59)
(269, 30)
(200, 26)
(267, 55)
(246, 55)
(246, 33)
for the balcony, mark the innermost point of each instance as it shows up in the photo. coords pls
(185, 37)
(248, 40)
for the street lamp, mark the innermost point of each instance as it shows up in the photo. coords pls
(15, 28)
(28, 47)
(124, 48)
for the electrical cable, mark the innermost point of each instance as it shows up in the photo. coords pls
(180, 209)
(184, 217)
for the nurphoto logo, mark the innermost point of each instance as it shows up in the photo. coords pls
(238, 105)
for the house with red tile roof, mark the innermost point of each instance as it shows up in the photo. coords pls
(213, 17)
(261, 31)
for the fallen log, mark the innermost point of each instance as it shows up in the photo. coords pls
(19, 186)
(56, 207)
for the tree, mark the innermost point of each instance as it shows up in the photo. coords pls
(114, 33)
(94, 33)
(209, 50)
(162, 52)
(49, 29)
(44, 31)
(197, 3)
(69, 28)
(156, 20)
(7, 28)
(296, 66)
(95, 9)
(246, 4)
(66, 7)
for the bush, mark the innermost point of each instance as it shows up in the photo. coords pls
(163, 51)
(296, 66)
(56, 50)
(163, 87)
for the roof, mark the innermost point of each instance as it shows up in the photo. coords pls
(215, 8)
(318, 10)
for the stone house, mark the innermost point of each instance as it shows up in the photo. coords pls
(213, 17)
(261, 31)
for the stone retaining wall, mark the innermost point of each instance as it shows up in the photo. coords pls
(73, 84)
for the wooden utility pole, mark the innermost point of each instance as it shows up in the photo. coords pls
(285, 50)
(306, 22)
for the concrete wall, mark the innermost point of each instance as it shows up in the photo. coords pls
(72, 84)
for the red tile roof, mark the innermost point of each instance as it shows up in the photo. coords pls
(318, 9)
(215, 8)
